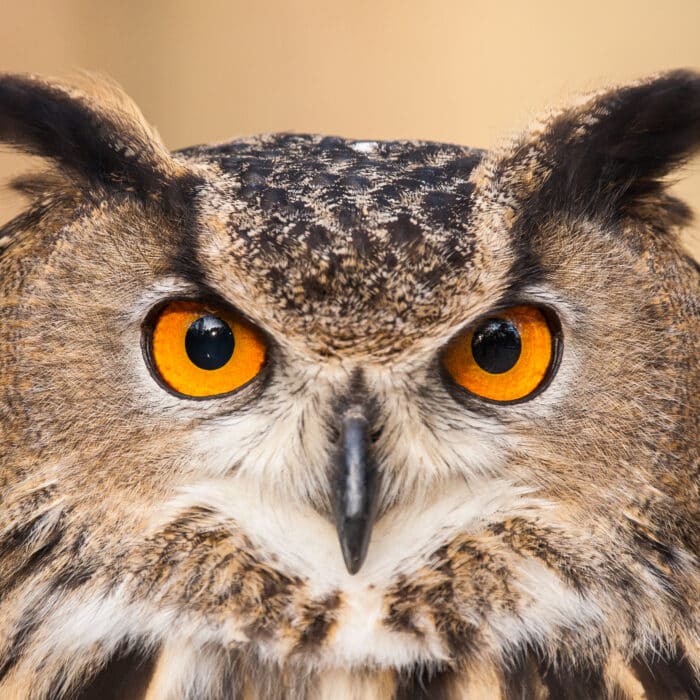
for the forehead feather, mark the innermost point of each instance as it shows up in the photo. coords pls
(345, 239)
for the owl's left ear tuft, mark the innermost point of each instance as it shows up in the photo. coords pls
(609, 154)
(93, 134)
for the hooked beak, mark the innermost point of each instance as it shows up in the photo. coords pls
(355, 487)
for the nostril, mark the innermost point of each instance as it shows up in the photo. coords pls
(376, 434)
(333, 433)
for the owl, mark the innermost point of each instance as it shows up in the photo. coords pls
(307, 417)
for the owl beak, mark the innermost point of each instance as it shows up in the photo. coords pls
(355, 489)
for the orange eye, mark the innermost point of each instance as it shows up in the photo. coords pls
(199, 350)
(505, 357)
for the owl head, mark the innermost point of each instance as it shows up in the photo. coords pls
(298, 416)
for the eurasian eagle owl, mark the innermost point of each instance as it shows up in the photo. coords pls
(307, 417)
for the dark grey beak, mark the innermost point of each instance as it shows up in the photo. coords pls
(355, 488)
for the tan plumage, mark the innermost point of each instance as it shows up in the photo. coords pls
(157, 546)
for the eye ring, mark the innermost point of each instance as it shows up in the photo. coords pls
(519, 374)
(201, 349)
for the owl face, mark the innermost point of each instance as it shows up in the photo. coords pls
(308, 406)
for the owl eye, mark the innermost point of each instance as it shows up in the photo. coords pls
(199, 350)
(506, 357)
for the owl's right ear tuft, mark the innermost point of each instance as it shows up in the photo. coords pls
(95, 135)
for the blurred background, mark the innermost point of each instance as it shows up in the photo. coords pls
(448, 70)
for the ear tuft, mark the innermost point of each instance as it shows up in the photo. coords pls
(95, 136)
(610, 153)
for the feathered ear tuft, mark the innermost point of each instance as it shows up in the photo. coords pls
(609, 154)
(95, 136)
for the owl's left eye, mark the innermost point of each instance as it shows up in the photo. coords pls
(506, 357)
(200, 350)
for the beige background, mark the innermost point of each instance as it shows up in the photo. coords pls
(460, 71)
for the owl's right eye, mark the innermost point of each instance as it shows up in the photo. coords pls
(200, 350)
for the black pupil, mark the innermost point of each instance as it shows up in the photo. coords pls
(496, 345)
(209, 342)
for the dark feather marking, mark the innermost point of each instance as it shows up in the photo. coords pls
(318, 619)
(424, 683)
(616, 164)
(649, 542)
(46, 121)
(16, 228)
(399, 615)
(126, 675)
(73, 575)
(78, 567)
(188, 564)
(20, 638)
(438, 595)
(20, 535)
(523, 681)
(566, 682)
(403, 231)
(23, 563)
(460, 576)
(183, 211)
(531, 540)
(670, 678)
